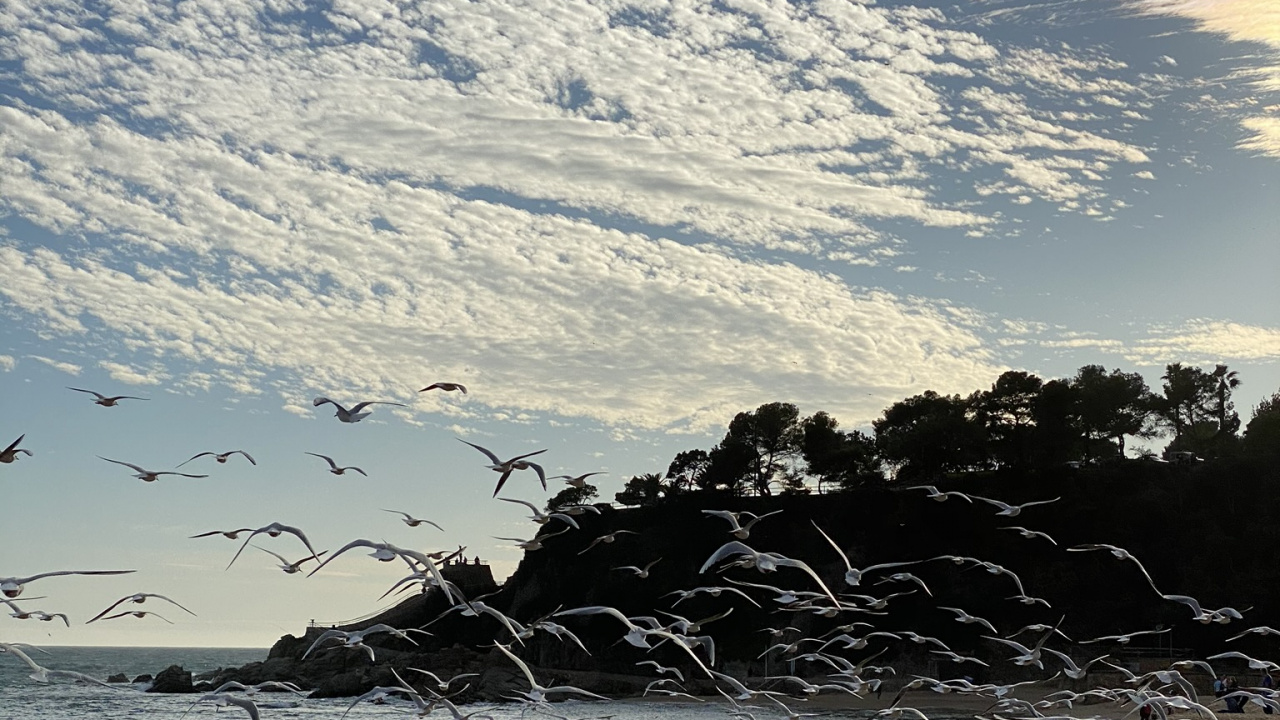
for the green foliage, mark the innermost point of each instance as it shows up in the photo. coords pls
(1197, 406)
(928, 435)
(573, 496)
(1007, 412)
(759, 444)
(1110, 406)
(847, 460)
(643, 490)
(1262, 434)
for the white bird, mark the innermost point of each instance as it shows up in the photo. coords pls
(1125, 638)
(1120, 554)
(953, 657)
(1260, 630)
(534, 543)
(221, 457)
(1008, 510)
(875, 603)
(766, 562)
(412, 521)
(636, 635)
(11, 587)
(542, 518)
(355, 638)
(353, 415)
(579, 481)
(1029, 534)
(538, 693)
(43, 674)
(1254, 663)
(138, 598)
(138, 614)
(385, 552)
(1221, 615)
(906, 577)
(443, 685)
(506, 467)
(738, 530)
(712, 591)
(662, 669)
(291, 568)
(10, 453)
(1071, 669)
(333, 466)
(935, 494)
(105, 401)
(223, 700)
(149, 475)
(229, 534)
(276, 529)
(607, 538)
(964, 617)
(640, 572)
(852, 575)
(446, 386)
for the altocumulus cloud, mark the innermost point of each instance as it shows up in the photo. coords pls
(591, 209)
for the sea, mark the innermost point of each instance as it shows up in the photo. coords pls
(21, 698)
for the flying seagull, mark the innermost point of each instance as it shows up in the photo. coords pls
(105, 401)
(509, 466)
(353, 415)
(10, 453)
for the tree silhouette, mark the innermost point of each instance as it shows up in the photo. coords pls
(929, 434)
(759, 444)
(1007, 411)
(1113, 405)
(847, 460)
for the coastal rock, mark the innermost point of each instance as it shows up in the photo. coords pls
(118, 678)
(172, 679)
(144, 678)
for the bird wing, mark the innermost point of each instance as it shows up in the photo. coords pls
(246, 455)
(733, 547)
(493, 458)
(326, 458)
(360, 406)
(322, 400)
(542, 475)
(193, 457)
(533, 508)
(353, 544)
(128, 465)
(520, 663)
(99, 395)
(170, 600)
(839, 552)
(104, 612)
(14, 444)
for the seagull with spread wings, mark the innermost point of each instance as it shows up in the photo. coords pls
(150, 475)
(353, 415)
(138, 598)
(506, 467)
(105, 401)
(11, 587)
(221, 457)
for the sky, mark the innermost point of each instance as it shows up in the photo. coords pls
(617, 223)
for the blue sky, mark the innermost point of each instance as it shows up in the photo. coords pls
(619, 223)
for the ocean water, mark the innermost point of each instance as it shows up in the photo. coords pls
(24, 699)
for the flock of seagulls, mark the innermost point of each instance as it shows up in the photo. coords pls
(819, 663)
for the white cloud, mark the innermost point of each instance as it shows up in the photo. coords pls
(1144, 175)
(132, 376)
(7, 362)
(60, 365)
(1207, 341)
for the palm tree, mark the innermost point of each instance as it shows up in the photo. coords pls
(1227, 380)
